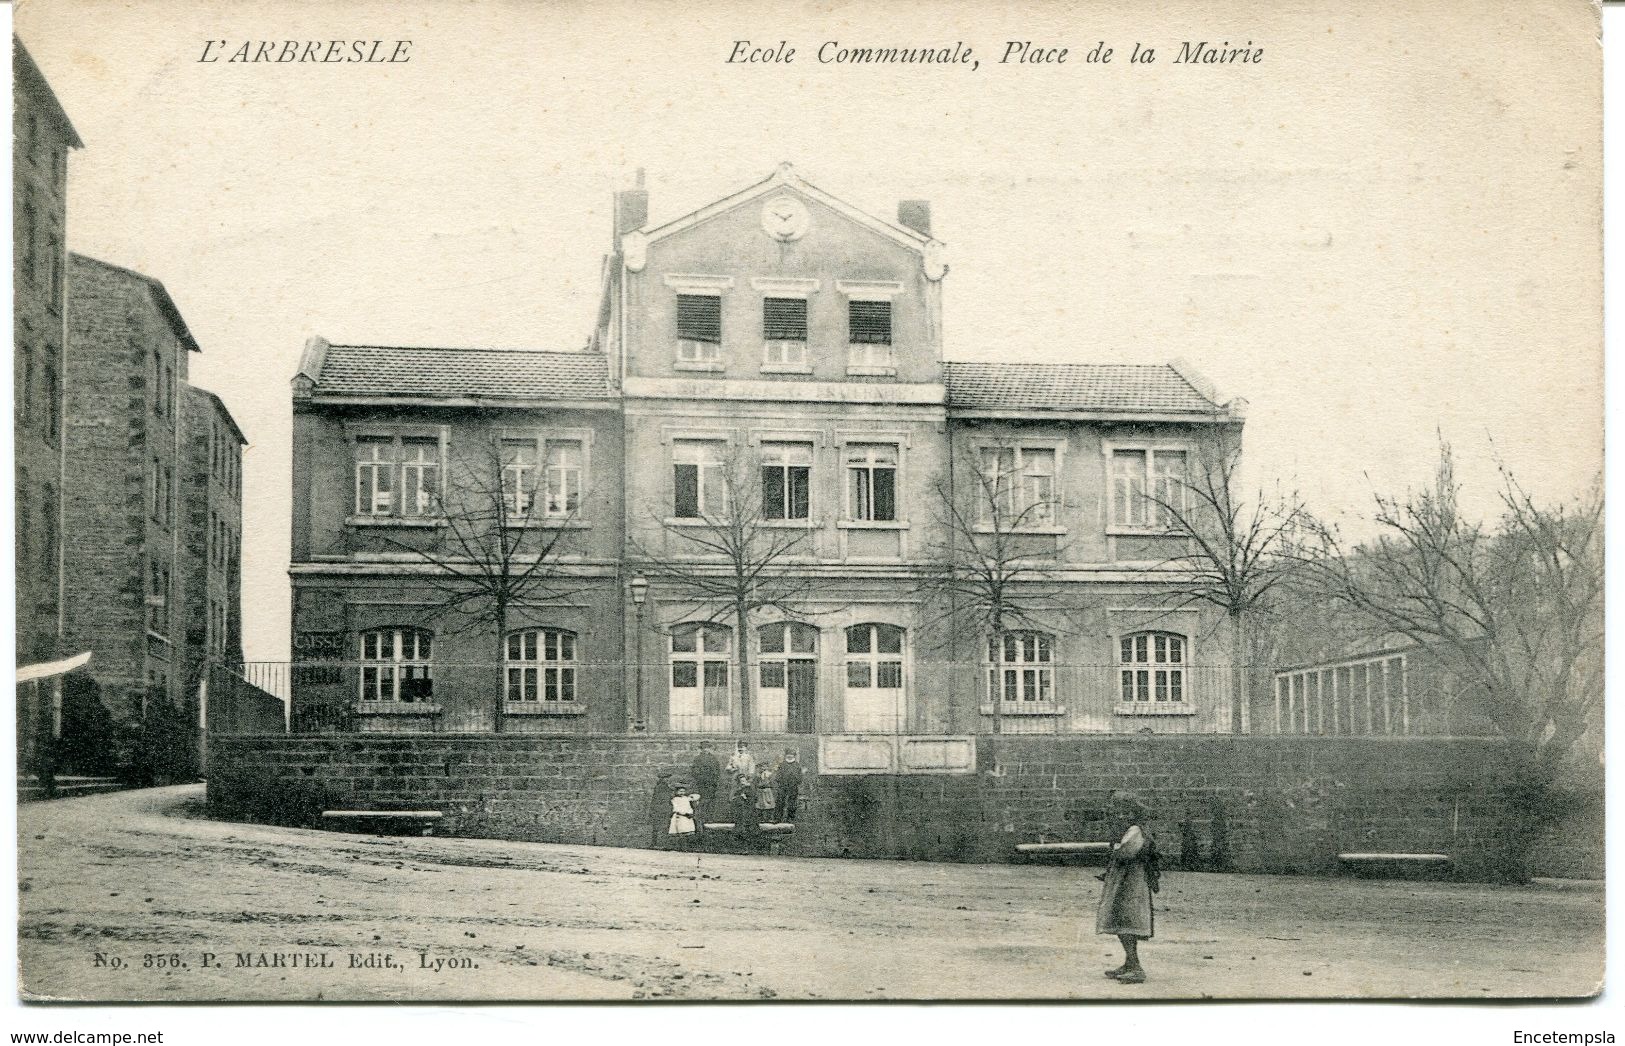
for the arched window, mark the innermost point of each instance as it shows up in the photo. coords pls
(395, 664)
(787, 668)
(1020, 668)
(541, 665)
(699, 671)
(1153, 667)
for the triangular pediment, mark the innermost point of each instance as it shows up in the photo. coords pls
(785, 177)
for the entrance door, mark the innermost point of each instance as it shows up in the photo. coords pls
(788, 677)
(874, 679)
(802, 696)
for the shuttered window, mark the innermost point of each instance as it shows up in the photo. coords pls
(784, 319)
(869, 322)
(699, 317)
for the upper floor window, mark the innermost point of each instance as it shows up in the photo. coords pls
(518, 475)
(1020, 668)
(784, 332)
(786, 480)
(698, 486)
(784, 319)
(48, 541)
(699, 329)
(563, 478)
(29, 219)
(160, 397)
(157, 596)
(1153, 667)
(871, 471)
(541, 665)
(397, 476)
(395, 664)
(162, 482)
(1019, 486)
(868, 322)
(699, 317)
(25, 382)
(1148, 487)
(24, 514)
(869, 337)
(53, 268)
(52, 395)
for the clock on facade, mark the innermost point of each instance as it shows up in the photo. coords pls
(785, 218)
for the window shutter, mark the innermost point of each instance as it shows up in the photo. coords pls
(869, 322)
(699, 317)
(784, 319)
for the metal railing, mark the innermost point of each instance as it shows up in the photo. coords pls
(871, 695)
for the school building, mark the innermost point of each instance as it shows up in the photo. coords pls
(765, 392)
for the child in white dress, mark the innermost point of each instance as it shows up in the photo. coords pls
(682, 814)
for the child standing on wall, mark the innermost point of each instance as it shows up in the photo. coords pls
(1132, 876)
(766, 797)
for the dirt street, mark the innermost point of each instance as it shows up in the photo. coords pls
(137, 896)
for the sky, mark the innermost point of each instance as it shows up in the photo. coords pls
(1376, 235)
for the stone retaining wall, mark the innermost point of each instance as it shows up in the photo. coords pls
(1272, 804)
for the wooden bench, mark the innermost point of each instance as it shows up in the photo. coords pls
(773, 832)
(1063, 848)
(381, 818)
(770, 828)
(1396, 861)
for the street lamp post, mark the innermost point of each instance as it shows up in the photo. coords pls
(639, 587)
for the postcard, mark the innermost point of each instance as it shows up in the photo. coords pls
(848, 502)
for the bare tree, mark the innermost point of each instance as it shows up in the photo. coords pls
(1514, 610)
(735, 556)
(991, 574)
(502, 536)
(1236, 551)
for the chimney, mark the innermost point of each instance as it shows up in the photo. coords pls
(916, 214)
(631, 209)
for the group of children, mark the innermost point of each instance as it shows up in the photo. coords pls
(1132, 875)
(755, 795)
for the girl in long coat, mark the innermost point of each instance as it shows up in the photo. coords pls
(1132, 876)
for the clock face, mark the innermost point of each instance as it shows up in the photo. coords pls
(785, 218)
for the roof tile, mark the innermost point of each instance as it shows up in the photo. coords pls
(1073, 386)
(378, 370)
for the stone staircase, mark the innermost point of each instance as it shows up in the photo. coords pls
(67, 786)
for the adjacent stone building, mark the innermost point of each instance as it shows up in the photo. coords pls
(42, 138)
(764, 465)
(212, 515)
(153, 529)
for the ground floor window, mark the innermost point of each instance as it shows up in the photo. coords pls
(395, 664)
(1153, 667)
(541, 665)
(1020, 668)
(700, 653)
(874, 677)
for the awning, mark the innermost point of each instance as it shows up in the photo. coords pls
(51, 669)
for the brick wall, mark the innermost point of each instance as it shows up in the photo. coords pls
(1277, 804)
